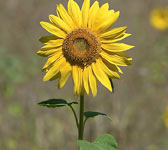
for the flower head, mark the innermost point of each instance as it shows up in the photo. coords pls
(165, 117)
(83, 45)
(159, 18)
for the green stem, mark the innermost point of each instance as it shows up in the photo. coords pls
(76, 118)
(84, 122)
(81, 117)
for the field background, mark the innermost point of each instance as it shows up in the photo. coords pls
(136, 107)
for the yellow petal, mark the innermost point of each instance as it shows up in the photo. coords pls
(52, 44)
(100, 16)
(119, 70)
(115, 39)
(53, 29)
(75, 78)
(112, 67)
(86, 79)
(61, 11)
(45, 39)
(113, 32)
(54, 69)
(115, 59)
(109, 72)
(55, 77)
(52, 59)
(57, 42)
(104, 8)
(65, 73)
(101, 76)
(75, 13)
(48, 52)
(108, 22)
(122, 54)
(92, 13)
(92, 81)
(116, 47)
(60, 23)
(85, 12)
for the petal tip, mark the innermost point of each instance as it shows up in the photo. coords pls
(39, 53)
(42, 23)
(94, 95)
(110, 88)
(45, 78)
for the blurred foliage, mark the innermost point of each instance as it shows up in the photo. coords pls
(14, 70)
(12, 144)
(15, 109)
(159, 67)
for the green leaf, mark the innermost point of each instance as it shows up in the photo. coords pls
(112, 85)
(92, 114)
(85, 145)
(104, 142)
(52, 103)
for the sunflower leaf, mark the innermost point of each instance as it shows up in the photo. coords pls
(103, 142)
(92, 114)
(85, 145)
(52, 103)
(106, 141)
(112, 85)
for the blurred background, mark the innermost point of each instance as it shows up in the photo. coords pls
(137, 107)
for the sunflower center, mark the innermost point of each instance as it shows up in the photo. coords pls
(81, 47)
(81, 44)
(163, 14)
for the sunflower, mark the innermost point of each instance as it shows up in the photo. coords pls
(165, 117)
(159, 18)
(84, 45)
